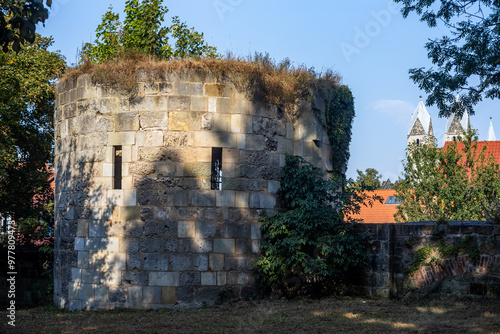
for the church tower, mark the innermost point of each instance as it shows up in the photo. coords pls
(455, 125)
(491, 132)
(420, 126)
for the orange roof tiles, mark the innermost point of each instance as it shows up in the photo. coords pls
(492, 148)
(379, 212)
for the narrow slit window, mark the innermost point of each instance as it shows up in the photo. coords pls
(216, 175)
(117, 178)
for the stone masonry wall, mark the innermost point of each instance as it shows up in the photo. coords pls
(164, 237)
(392, 250)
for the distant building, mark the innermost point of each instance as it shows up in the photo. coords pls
(419, 132)
(379, 212)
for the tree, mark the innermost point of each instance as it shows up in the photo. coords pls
(313, 246)
(453, 183)
(18, 20)
(467, 60)
(142, 32)
(26, 121)
(370, 179)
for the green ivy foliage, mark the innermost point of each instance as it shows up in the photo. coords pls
(339, 117)
(309, 249)
(427, 255)
(142, 32)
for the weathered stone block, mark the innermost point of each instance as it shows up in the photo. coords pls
(83, 260)
(133, 261)
(199, 103)
(86, 292)
(208, 278)
(111, 277)
(135, 294)
(151, 245)
(241, 199)
(135, 278)
(205, 229)
(254, 201)
(186, 229)
(255, 142)
(200, 262)
(181, 262)
(130, 212)
(213, 213)
(152, 294)
(90, 276)
(255, 231)
(212, 104)
(117, 295)
(267, 201)
(126, 122)
(201, 245)
(153, 120)
(153, 139)
(248, 171)
(189, 278)
(213, 139)
(197, 169)
(226, 105)
(236, 262)
(164, 279)
(224, 245)
(201, 198)
(116, 261)
(150, 229)
(243, 246)
(121, 138)
(221, 278)
(149, 103)
(168, 295)
(75, 305)
(225, 198)
(157, 262)
(97, 228)
(80, 244)
(179, 103)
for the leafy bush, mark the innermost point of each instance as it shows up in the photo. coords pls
(309, 249)
(142, 32)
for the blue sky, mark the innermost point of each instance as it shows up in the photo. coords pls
(367, 42)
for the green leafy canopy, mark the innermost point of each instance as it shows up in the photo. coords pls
(18, 20)
(455, 183)
(466, 60)
(27, 139)
(311, 248)
(142, 32)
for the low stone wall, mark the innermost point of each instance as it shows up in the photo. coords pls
(393, 248)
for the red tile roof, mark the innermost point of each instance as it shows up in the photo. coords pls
(379, 212)
(492, 148)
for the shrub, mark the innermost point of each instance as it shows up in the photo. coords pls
(309, 249)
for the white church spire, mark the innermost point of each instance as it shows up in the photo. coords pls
(456, 126)
(491, 132)
(420, 125)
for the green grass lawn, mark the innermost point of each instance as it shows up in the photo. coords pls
(329, 315)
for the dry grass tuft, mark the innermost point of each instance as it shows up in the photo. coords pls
(280, 84)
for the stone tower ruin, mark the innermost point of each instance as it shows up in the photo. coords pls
(158, 193)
